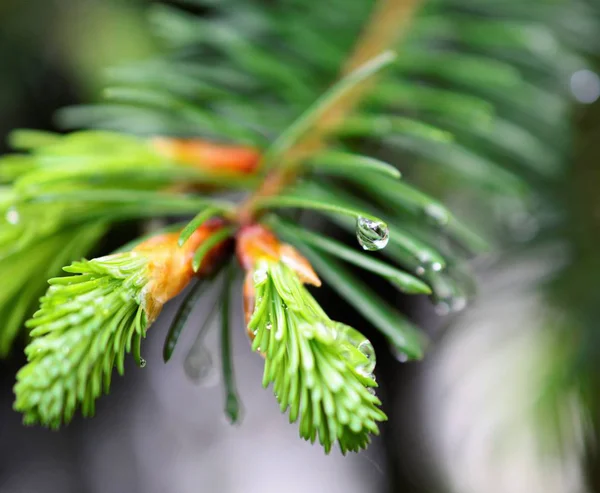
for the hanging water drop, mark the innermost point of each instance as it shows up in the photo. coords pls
(260, 276)
(359, 351)
(366, 348)
(199, 367)
(442, 308)
(12, 216)
(437, 214)
(143, 363)
(400, 355)
(363, 370)
(427, 263)
(585, 86)
(458, 304)
(372, 235)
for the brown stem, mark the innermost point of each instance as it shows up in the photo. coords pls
(387, 24)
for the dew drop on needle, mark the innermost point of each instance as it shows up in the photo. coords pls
(199, 367)
(372, 235)
(437, 214)
(12, 216)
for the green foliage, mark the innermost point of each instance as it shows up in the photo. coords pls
(320, 369)
(86, 324)
(233, 408)
(181, 317)
(63, 196)
(457, 108)
(471, 103)
(28, 268)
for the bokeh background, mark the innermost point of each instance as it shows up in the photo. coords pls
(493, 408)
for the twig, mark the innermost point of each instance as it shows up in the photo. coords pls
(387, 24)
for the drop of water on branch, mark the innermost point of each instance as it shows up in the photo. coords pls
(400, 355)
(437, 214)
(364, 361)
(372, 235)
(453, 304)
(199, 366)
(12, 216)
(427, 264)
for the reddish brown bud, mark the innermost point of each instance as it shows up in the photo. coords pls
(209, 156)
(170, 266)
(255, 243)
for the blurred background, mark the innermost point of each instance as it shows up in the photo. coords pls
(504, 402)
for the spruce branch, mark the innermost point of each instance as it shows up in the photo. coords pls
(86, 324)
(321, 370)
(89, 320)
(452, 96)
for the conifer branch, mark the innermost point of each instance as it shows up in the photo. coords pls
(435, 104)
(388, 24)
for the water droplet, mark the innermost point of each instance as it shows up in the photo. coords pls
(199, 366)
(428, 264)
(143, 363)
(450, 304)
(269, 326)
(442, 308)
(359, 351)
(437, 214)
(13, 216)
(585, 86)
(366, 348)
(260, 276)
(400, 355)
(372, 235)
(458, 304)
(88, 311)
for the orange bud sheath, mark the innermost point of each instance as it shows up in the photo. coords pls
(170, 266)
(209, 156)
(255, 243)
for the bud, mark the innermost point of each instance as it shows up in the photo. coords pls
(256, 243)
(170, 266)
(209, 156)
